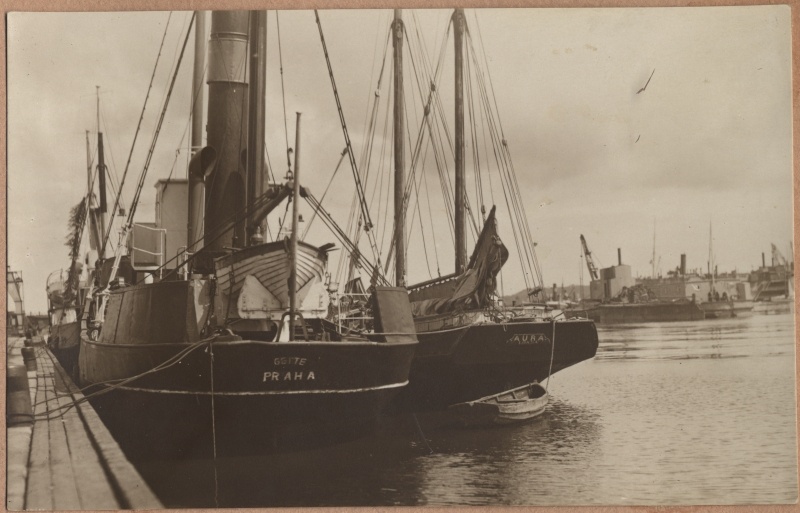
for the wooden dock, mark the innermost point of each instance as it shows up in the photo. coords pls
(72, 461)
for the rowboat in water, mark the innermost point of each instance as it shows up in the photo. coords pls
(516, 405)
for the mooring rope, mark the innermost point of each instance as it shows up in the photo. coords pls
(213, 427)
(552, 354)
(419, 429)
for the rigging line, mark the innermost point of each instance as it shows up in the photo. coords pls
(115, 383)
(136, 134)
(504, 182)
(412, 182)
(364, 210)
(143, 175)
(112, 176)
(486, 154)
(173, 70)
(266, 151)
(476, 160)
(283, 90)
(353, 225)
(379, 181)
(441, 165)
(343, 238)
(314, 214)
(372, 68)
(367, 154)
(158, 127)
(430, 217)
(370, 134)
(418, 211)
(283, 219)
(467, 204)
(382, 176)
(410, 179)
(525, 220)
(515, 197)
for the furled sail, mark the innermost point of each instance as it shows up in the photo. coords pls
(473, 288)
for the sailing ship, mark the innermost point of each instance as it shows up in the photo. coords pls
(231, 349)
(67, 289)
(470, 346)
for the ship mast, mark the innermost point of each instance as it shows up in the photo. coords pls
(460, 185)
(711, 265)
(295, 228)
(654, 249)
(399, 152)
(196, 188)
(255, 133)
(101, 174)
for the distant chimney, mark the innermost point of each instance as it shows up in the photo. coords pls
(683, 264)
(763, 260)
(619, 256)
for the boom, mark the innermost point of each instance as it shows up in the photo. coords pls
(589, 260)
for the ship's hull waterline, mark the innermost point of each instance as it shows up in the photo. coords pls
(241, 396)
(467, 362)
(174, 393)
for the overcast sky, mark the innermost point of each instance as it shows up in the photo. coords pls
(709, 140)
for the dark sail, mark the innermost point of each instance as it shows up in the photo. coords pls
(474, 288)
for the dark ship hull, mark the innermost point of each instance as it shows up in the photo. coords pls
(64, 342)
(464, 363)
(645, 312)
(468, 349)
(176, 395)
(265, 397)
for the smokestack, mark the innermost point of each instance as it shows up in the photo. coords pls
(226, 126)
(619, 256)
(763, 260)
(683, 264)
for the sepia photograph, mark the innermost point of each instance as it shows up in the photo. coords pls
(400, 257)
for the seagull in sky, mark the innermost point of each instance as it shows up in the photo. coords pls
(648, 81)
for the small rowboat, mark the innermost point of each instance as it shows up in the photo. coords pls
(512, 406)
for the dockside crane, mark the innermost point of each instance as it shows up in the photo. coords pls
(589, 261)
(779, 261)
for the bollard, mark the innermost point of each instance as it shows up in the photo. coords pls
(18, 397)
(29, 357)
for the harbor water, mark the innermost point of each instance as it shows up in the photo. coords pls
(667, 413)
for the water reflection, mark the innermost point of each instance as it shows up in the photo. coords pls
(679, 413)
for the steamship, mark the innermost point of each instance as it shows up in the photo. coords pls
(208, 341)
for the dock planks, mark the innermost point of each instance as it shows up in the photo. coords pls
(74, 462)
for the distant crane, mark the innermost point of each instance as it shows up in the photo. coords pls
(778, 258)
(779, 262)
(589, 261)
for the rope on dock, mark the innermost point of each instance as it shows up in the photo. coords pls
(116, 383)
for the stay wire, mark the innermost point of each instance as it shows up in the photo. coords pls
(283, 89)
(136, 134)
